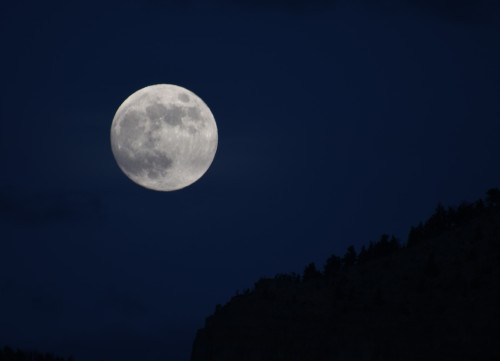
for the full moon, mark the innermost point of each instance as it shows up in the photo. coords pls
(164, 137)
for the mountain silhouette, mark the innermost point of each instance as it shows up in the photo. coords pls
(436, 297)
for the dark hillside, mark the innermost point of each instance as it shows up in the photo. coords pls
(435, 298)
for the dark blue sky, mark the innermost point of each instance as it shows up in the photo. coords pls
(338, 121)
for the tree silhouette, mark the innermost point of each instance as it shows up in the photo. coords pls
(416, 235)
(310, 272)
(383, 248)
(446, 219)
(364, 255)
(437, 222)
(493, 197)
(349, 258)
(431, 267)
(448, 264)
(332, 266)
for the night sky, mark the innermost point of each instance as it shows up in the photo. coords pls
(338, 121)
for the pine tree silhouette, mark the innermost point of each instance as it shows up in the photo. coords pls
(349, 258)
(311, 273)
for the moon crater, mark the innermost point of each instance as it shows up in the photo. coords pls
(164, 137)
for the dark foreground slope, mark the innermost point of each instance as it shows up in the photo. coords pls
(437, 299)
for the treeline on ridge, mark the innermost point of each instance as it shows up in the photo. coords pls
(442, 220)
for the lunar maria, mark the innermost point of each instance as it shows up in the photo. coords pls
(164, 137)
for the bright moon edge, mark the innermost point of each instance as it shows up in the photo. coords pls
(164, 137)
